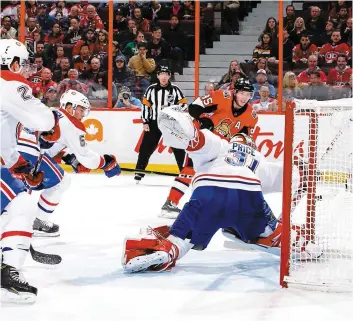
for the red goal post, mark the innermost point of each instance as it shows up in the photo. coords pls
(317, 193)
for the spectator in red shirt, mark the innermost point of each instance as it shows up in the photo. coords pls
(304, 76)
(37, 77)
(31, 9)
(304, 49)
(83, 61)
(101, 45)
(40, 88)
(55, 35)
(341, 74)
(88, 38)
(176, 9)
(141, 23)
(92, 20)
(330, 51)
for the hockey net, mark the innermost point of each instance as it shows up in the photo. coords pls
(319, 201)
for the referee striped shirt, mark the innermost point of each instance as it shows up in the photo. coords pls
(157, 97)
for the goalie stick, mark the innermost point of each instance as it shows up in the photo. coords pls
(37, 256)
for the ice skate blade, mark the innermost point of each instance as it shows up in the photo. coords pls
(9, 297)
(143, 262)
(44, 234)
(166, 214)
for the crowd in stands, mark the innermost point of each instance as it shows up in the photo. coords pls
(68, 42)
(317, 55)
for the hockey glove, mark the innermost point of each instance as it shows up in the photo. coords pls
(23, 170)
(206, 123)
(70, 159)
(110, 166)
(47, 139)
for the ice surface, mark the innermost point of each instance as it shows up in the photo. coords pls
(217, 284)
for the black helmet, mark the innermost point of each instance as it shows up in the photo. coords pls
(163, 68)
(244, 85)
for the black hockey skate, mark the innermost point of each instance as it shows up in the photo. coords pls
(45, 228)
(138, 177)
(14, 288)
(169, 210)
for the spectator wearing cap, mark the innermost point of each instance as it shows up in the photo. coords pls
(44, 20)
(127, 100)
(316, 89)
(177, 38)
(131, 48)
(91, 20)
(120, 22)
(142, 24)
(304, 49)
(51, 98)
(98, 91)
(261, 80)
(7, 30)
(88, 38)
(157, 47)
(73, 35)
(127, 35)
(123, 75)
(142, 65)
(82, 62)
(39, 89)
(304, 76)
(265, 103)
(55, 35)
(330, 51)
(63, 72)
(264, 48)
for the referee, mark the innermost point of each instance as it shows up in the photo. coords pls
(157, 96)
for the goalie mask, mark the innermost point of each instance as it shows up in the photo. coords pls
(76, 99)
(244, 139)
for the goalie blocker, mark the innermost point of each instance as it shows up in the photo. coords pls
(226, 194)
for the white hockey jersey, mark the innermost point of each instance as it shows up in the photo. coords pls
(72, 139)
(18, 105)
(233, 165)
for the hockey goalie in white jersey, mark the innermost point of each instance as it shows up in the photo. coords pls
(17, 209)
(227, 193)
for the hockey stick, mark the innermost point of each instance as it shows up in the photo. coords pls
(147, 172)
(37, 256)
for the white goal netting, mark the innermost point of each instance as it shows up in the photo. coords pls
(322, 203)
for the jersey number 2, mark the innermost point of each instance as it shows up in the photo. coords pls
(23, 90)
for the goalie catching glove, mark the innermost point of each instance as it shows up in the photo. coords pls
(153, 253)
(24, 170)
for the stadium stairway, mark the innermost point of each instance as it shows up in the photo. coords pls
(214, 64)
